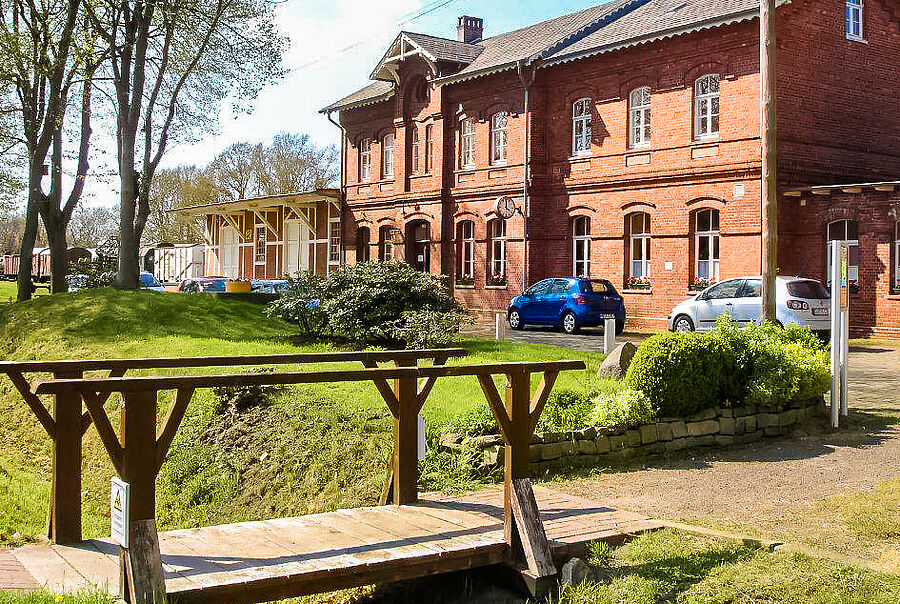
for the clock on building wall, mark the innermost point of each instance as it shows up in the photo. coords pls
(506, 207)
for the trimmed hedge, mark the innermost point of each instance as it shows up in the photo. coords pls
(685, 373)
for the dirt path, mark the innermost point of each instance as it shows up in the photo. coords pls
(773, 488)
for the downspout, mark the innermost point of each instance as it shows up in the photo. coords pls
(527, 81)
(342, 188)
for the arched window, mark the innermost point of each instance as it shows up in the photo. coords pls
(706, 245)
(497, 252)
(845, 230)
(895, 287)
(387, 156)
(639, 245)
(365, 159)
(414, 143)
(429, 149)
(854, 21)
(498, 137)
(581, 246)
(639, 117)
(581, 127)
(465, 236)
(706, 107)
(362, 244)
(418, 245)
(467, 143)
(385, 243)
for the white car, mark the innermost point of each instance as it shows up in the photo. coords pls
(797, 300)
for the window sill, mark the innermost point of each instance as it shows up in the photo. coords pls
(495, 286)
(641, 291)
(893, 296)
(702, 140)
(464, 286)
(854, 39)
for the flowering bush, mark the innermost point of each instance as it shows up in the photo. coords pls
(637, 283)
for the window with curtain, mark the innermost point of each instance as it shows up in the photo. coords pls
(497, 251)
(467, 143)
(465, 233)
(387, 156)
(581, 127)
(498, 137)
(706, 107)
(365, 159)
(706, 245)
(581, 246)
(845, 230)
(639, 245)
(429, 149)
(639, 117)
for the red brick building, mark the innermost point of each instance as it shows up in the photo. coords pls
(625, 141)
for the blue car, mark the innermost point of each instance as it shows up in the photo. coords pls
(569, 302)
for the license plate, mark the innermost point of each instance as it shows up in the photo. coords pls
(607, 315)
(820, 312)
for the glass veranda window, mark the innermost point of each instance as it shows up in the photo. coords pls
(706, 245)
(639, 226)
(639, 115)
(706, 107)
(581, 247)
(581, 127)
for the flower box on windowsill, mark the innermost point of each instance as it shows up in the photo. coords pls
(637, 284)
(895, 291)
(465, 281)
(638, 290)
(496, 282)
(699, 285)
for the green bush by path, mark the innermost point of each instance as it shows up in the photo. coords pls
(764, 365)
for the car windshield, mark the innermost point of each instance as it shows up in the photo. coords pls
(596, 286)
(811, 290)
(149, 280)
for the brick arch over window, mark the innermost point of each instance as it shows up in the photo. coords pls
(580, 209)
(705, 68)
(640, 80)
(841, 213)
(494, 108)
(714, 202)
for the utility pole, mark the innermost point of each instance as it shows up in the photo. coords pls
(767, 135)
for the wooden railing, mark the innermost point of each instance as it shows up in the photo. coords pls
(66, 422)
(137, 453)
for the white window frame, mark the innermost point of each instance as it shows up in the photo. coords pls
(853, 22)
(639, 117)
(639, 268)
(852, 269)
(581, 126)
(709, 98)
(466, 250)
(497, 239)
(896, 284)
(499, 123)
(713, 242)
(415, 149)
(385, 244)
(467, 143)
(259, 258)
(581, 247)
(387, 156)
(334, 240)
(365, 159)
(429, 149)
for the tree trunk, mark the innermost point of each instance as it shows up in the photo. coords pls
(59, 254)
(129, 241)
(26, 251)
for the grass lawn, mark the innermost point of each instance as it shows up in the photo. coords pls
(313, 449)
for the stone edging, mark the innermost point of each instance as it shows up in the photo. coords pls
(719, 427)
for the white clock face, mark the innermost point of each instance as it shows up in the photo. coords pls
(506, 207)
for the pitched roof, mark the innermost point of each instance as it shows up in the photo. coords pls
(595, 30)
(445, 49)
(373, 93)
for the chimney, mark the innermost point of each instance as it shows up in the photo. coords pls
(469, 29)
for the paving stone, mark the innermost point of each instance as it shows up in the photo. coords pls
(649, 435)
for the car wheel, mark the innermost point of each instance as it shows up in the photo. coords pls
(683, 324)
(515, 319)
(569, 323)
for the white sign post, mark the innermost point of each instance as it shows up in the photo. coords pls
(119, 500)
(609, 334)
(840, 327)
(500, 326)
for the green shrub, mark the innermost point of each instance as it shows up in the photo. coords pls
(624, 408)
(763, 365)
(565, 410)
(302, 304)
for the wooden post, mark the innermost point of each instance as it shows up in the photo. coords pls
(64, 518)
(518, 395)
(769, 263)
(141, 577)
(406, 439)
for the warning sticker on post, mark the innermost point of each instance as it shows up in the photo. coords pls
(845, 285)
(119, 496)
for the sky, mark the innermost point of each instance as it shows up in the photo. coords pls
(334, 46)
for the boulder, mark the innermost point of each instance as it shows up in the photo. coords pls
(575, 572)
(616, 364)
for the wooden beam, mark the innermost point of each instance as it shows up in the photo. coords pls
(516, 459)
(535, 547)
(495, 403)
(540, 397)
(33, 402)
(820, 191)
(886, 188)
(406, 440)
(381, 384)
(426, 388)
(104, 429)
(769, 178)
(171, 423)
(64, 526)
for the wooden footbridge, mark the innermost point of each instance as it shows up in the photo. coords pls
(526, 529)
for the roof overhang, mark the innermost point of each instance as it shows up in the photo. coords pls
(886, 186)
(402, 48)
(259, 203)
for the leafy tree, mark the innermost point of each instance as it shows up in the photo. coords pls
(91, 226)
(171, 64)
(175, 188)
(235, 171)
(48, 60)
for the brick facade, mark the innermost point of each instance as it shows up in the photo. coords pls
(837, 122)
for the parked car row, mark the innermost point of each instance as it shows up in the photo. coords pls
(572, 303)
(195, 285)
